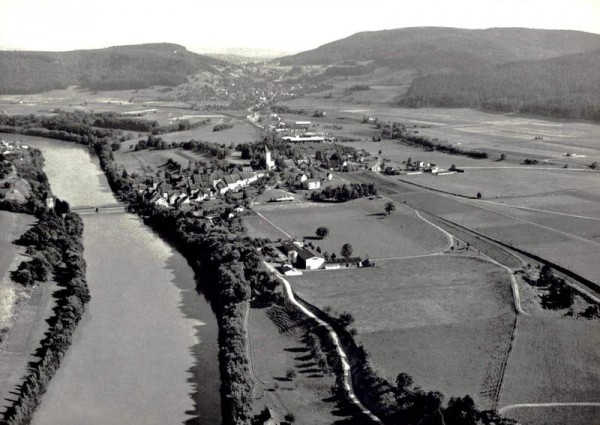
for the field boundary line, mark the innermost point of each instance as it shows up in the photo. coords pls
(343, 358)
(505, 409)
(533, 223)
(583, 217)
(448, 235)
(272, 224)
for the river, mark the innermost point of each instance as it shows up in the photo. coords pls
(146, 349)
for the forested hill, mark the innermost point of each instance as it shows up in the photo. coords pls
(435, 48)
(120, 67)
(563, 87)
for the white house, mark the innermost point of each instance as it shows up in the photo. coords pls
(312, 184)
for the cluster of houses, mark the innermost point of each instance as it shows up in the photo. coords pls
(181, 189)
(10, 149)
(13, 187)
(425, 167)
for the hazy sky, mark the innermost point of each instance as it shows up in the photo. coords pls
(271, 24)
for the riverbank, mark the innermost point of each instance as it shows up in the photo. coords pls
(146, 349)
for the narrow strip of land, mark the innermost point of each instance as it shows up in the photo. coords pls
(510, 407)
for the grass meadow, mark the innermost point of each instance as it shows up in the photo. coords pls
(446, 320)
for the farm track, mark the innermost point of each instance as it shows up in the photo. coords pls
(344, 359)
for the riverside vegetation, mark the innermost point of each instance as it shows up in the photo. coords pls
(55, 245)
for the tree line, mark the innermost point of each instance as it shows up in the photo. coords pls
(344, 192)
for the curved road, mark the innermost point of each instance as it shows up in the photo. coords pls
(336, 340)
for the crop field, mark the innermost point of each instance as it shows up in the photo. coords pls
(572, 415)
(242, 132)
(273, 353)
(149, 160)
(583, 202)
(446, 320)
(362, 223)
(509, 181)
(569, 241)
(553, 360)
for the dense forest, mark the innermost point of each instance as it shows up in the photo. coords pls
(563, 87)
(113, 68)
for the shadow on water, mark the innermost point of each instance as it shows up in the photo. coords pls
(204, 375)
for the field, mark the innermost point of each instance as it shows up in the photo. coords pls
(497, 133)
(242, 132)
(361, 223)
(510, 181)
(446, 320)
(572, 415)
(273, 353)
(554, 360)
(570, 241)
(150, 160)
(132, 102)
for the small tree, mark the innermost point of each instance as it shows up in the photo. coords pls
(347, 250)
(290, 374)
(389, 207)
(594, 165)
(322, 232)
(478, 195)
(403, 381)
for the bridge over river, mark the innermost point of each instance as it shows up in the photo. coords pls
(97, 209)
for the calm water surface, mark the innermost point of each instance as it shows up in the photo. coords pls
(146, 350)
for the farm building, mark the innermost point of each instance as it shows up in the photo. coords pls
(302, 124)
(375, 166)
(338, 263)
(301, 256)
(307, 260)
(298, 138)
(312, 184)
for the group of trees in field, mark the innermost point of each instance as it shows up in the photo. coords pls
(223, 126)
(559, 294)
(345, 192)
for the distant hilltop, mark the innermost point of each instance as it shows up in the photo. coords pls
(437, 48)
(112, 68)
(553, 73)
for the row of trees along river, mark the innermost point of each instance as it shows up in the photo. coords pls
(146, 349)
